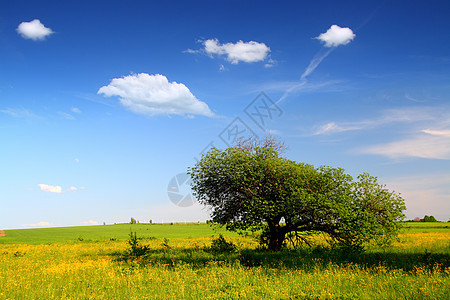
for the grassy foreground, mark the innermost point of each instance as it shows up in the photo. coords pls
(91, 263)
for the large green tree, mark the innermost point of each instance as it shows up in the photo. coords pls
(250, 186)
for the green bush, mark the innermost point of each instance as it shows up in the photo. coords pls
(136, 249)
(429, 219)
(220, 245)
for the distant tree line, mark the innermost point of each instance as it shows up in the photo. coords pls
(425, 219)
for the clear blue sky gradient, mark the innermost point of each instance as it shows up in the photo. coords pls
(378, 104)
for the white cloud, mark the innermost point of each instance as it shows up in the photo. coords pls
(50, 188)
(443, 133)
(270, 63)
(336, 36)
(332, 127)
(77, 160)
(273, 132)
(248, 52)
(155, 95)
(39, 224)
(432, 146)
(18, 113)
(430, 143)
(33, 30)
(75, 110)
(314, 63)
(407, 96)
(191, 51)
(58, 189)
(66, 116)
(398, 115)
(90, 222)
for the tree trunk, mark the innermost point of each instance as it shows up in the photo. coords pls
(276, 241)
(276, 236)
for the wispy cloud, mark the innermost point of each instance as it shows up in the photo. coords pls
(334, 37)
(39, 224)
(309, 86)
(154, 95)
(192, 51)
(397, 115)
(422, 146)
(332, 127)
(443, 133)
(75, 110)
(315, 62)
(270, 63)
(19, 112)
(428, 135)
(248, 52)
(90, 222)
(407, 96)
(66, 116)
(34, 30)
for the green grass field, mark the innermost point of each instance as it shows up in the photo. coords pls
(425, 227)
(177, 230)
(94, 262)
(107, 232)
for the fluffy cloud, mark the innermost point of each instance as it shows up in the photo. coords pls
(50, 188)
(248, 52)
(336, 36)
(34, 30)
(75, 110)
(155, 95)
(58, 189)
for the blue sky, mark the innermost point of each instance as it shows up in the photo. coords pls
(104, 103)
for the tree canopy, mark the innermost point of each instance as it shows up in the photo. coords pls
(250, 186)
(428, 219)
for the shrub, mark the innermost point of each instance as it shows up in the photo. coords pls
(220, 245)
(429, 219)
(136, 249)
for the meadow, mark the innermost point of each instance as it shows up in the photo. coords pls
(180, 262)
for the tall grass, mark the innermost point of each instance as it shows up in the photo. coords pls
(415, 267)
